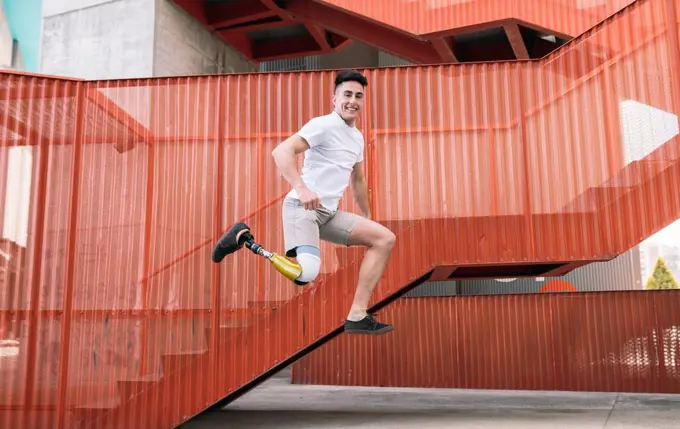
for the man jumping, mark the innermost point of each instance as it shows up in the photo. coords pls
(333, 159)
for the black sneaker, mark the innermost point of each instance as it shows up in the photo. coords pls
(367, 326)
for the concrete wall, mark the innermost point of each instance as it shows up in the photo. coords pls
(98, 39)
(115, 39)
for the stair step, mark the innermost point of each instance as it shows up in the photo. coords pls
(129, 388)
(224, 332)
(173, 361)
(91, 413)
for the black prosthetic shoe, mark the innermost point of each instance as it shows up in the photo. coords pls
(367, 326)
(228, 243)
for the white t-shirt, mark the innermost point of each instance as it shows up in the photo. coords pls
(334, 148)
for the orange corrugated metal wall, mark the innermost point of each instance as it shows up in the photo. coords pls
(619, 341)
(132, 181)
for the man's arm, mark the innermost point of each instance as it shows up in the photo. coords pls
(285, 155)
(360, 189)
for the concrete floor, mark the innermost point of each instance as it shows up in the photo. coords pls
(278, 404)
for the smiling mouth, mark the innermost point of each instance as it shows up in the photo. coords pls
(351, 109)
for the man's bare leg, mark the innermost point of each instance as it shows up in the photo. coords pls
(380, 242)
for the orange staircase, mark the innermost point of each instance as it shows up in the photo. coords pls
(482, 171)
(246, 356)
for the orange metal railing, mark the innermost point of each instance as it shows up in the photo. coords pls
(126, 175)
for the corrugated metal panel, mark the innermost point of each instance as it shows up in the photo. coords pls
(388, 60)
(434, 289)
(129, 324)
(38, 235)
(310, 62)
(356, 55)
(572, 342)
(570, 17)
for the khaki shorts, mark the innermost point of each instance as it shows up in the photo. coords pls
(303, 227)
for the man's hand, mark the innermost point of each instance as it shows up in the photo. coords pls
(309, 199)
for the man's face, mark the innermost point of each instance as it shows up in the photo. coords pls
(348, 100)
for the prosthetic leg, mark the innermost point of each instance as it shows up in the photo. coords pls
(239, 235)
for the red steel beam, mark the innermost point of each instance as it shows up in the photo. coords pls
(10, 123)
(516, 40)
(238, 41)
(236, 31)
(195, 9)
(267, 50)
(339, 41)
(445, 49)
(395, 42)
(319, 35)
(236, 12)
(119, 115)
(272, 5)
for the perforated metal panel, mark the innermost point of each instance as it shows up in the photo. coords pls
(501, 168)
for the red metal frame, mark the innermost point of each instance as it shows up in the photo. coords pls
(416, 31)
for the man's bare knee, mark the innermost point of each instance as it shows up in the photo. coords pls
(372, 234)
(386, 240)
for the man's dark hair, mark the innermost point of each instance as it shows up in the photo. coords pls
(350, 76)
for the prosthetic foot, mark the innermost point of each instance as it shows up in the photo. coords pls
(239, 235)
(231, 241)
